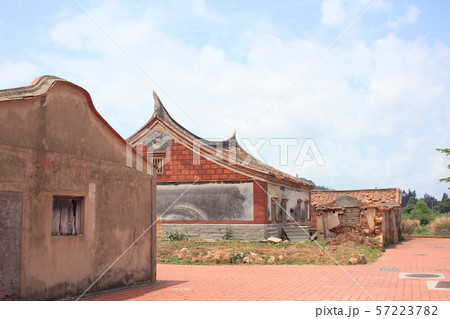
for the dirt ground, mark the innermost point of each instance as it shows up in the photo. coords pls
(344, 249)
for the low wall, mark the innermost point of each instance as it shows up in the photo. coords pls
(217, 231)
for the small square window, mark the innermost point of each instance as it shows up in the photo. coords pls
(66, 216)
(158, 162)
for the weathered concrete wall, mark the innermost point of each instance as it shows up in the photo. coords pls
(217, 231)
(370, 218)
(206, 201)
(57, 145)
(292, 197)
(10, 239)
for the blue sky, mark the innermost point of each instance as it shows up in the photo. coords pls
(376, 104)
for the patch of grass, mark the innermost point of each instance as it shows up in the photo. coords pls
(259, 253)
(236, 257)
(422, 231)
(175, 235)
(371, 254)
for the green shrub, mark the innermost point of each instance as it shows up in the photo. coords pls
(228, 233)
(420, 211)
(175, 235)
(236, 257)
(422, 231)
(387, 242)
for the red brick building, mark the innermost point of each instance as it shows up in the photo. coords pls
(205, 186)
(369, 211)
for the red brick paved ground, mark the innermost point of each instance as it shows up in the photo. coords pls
(309, 282)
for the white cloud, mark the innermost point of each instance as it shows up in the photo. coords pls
(411, 16)
(333, 12)
(340, 13)
(376, 107)
(16, 73)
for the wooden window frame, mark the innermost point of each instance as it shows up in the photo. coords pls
(67, 215)
(158, 162)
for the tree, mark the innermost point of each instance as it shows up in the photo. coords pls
(409, 198)
(407, 209)
(322, 188)
(443, 207)
(421, 212)
(444, 197)
(430, 200)
(445, 151)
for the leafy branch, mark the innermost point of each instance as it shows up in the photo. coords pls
(445, 151)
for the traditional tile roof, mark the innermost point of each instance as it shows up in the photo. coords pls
(227, 153)
(39, 86)
(389, 197)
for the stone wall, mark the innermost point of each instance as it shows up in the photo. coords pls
(217, 231)
(350, 217)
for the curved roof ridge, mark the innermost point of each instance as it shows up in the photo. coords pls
(269, 169)
(232, 136)
(228, 150)
(40, 86)
(161, 112)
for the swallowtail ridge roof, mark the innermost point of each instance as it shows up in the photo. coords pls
(227, 152)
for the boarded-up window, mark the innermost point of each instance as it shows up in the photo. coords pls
(66, 217)
(158, 162)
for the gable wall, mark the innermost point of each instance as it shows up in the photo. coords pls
(56, 146)
(180, 168)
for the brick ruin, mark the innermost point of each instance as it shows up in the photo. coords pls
(373, 212)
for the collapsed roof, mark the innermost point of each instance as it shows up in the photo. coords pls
(331, 199)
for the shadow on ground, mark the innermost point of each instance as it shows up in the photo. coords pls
(132, 292)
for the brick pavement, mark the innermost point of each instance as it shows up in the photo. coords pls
(304, 282)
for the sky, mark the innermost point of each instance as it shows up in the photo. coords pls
(348, 94)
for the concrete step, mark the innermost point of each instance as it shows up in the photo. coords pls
(297, 233)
